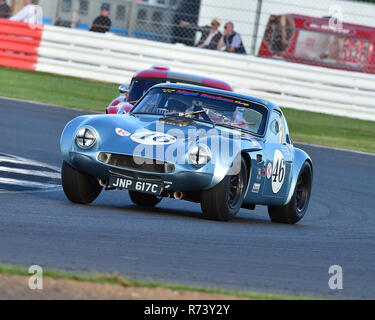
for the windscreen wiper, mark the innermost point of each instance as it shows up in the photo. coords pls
(233, 125)
(184, 114)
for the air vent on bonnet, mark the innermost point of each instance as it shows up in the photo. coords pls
(177, 121)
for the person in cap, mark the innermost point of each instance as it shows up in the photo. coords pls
(210, 34)
(102, 23)
(4, 9)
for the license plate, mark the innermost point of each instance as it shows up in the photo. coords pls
(135, 185)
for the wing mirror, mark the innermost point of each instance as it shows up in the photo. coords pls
(123, 89)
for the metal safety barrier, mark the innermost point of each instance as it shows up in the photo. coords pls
(19, 44)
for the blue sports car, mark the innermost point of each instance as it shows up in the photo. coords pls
(219, 148)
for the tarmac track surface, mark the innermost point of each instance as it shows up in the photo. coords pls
(172, 242)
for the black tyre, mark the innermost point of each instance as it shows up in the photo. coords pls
(223, 202)
(79, 187)
(144, 199)
(297, 207)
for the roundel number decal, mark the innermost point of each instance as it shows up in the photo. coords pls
(153, 138)
(278, 172)
(269, 170)
(122, 133)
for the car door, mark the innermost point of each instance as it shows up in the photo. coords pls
(278, 159)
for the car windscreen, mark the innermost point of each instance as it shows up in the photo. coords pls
(208, 107)
(140, 86)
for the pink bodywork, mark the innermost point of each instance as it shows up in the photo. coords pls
(120, 105)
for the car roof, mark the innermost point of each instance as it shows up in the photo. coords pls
(167, 74)
(271, 106)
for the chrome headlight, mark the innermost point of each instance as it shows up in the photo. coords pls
(86, 137)
(199, 154)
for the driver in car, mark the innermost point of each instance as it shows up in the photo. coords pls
(176, 106)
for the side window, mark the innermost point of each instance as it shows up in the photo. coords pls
(150, 103)
(275, 128)
(286, 136)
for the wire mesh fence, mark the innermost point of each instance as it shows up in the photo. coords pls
(332, 33)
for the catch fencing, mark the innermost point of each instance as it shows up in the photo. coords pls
(333, 33)
(112, 58)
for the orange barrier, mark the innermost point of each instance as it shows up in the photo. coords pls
(19, 44)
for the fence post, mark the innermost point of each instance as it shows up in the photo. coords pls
(132, 17)
(75, 15)
(256, 27)
(56, 5)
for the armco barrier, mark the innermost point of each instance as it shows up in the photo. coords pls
(19, 44)
(111, 58)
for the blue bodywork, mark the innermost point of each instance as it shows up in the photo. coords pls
(258, 151)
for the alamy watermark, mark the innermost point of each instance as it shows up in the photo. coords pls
(336, 14)
(35, 20)
(190, 146)
(36, 280)
(335, 281)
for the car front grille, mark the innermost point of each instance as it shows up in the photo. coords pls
(135, 175)
(135, 163)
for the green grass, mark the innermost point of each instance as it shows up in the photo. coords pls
(332, 131)
(116, 279)
(58, 90)
(310, 127)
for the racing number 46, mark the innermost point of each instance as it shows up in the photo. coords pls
(279, 171)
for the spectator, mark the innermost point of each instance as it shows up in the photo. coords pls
(4, 9)
(210, 34)
(28, 14)
(187, 10)
(102, 23)
(231, 40)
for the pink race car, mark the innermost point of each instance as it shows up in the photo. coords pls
(145, 79)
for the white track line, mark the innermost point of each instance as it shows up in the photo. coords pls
(14, 160)
(53, 189)
(20, 160)
(38, 186)
(47, 174)
(24, 183)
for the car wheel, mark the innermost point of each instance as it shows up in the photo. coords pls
(223, 201)
(297, 207)
(144, 199)
(79, 187)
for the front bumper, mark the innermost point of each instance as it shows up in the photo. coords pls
(184, 178)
